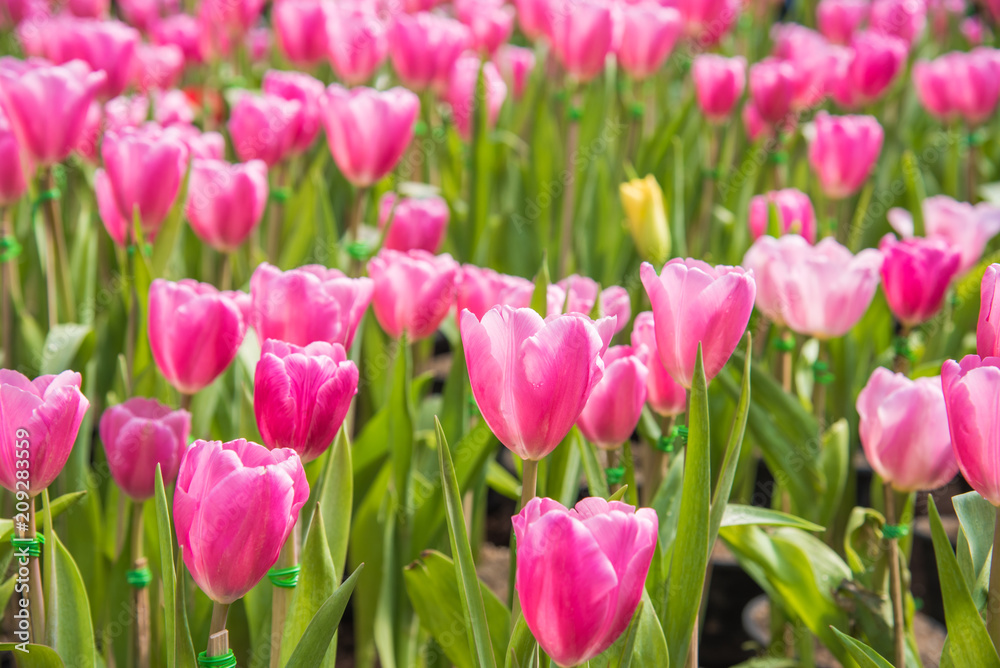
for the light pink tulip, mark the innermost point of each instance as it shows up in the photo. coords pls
(971, 395)
(357, 43)
(207, 145)
(934, 80)
(581, 33)
(650, 32)
(157, 67)
(368, 130)
(531, 377)
(300, 28)
(307, 304)
(867, 69)
(182, 30)
(534, 17)
(479, 289)
(973, 29)
(416, 222)
(772, 84)
(839, 19)
(225, 202)
(194, 331)
(12, 168)
(974, 87)
(229, 18)
(581, 572)
(916, 273)
(988, 329)
(139, 435)
(301, 395)
(904, 431)
(753, 123)
(694, 302)
(843, 150)
(719, 84)
(40, 417)
(305, 90)
(228, 496)
(795, 213)
(490, 23)
(615, 403)
(265, 127)
(424, 47)
(614, 301)
(904, 19)
(462, 92)
(707, 21)
(413, 291)
(140, 14)
(172, 107)
(578, 294)
(113, 116)
(515, 64)
(665, 396)
(963, 226)
(89, 9)
(812, 58)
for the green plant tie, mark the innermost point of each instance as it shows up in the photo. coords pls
(10, 248)
(359, 250)
(831, 225)
(44, 196)
(32, 545)
(710, 172)
(821, 372)
(147, 249)
(420, 128)
(677, 437)
(785, 344)
(575, 113)
(901, 345)
(227, 660)
(139, 577)
(286, 578)
(615, 474)
(779, 157)
(977, 138)
(280, 195)
(637, 109)
(891, 531)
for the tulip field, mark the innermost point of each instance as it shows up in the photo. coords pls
(499, 333)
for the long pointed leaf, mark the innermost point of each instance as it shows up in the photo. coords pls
(725, 484)
(319, 634)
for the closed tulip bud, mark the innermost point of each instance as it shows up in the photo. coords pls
(307, 304)
(843, 150)
(531, 377)
(905, 19)
(258, 44)
(581, 33)
(415, 223)
(973, 29)
(988, 329)
(300, 29)
(650, 32)
(971, 395)
(867, 69)
(384, 118)
(423, 48)
(961, 225)
(490, 23)
(533, 17)
(479, 289)
(305, 90)
(40, 417)
(357, 43)
(183, 30)
(693, 303)
(916, 274)
(157, 67)
(581, 573)
(461, 93)
(719, 84)
(194, 331)
(139, 435)
(614, 301)
(515, 64)
(264, 127)
(772, 84)
(646, 216)
(615, 403)
(839, 19)
(113, 116)
(904, 431)
(795, 214)
(93, 9)
(225, 202)
(665, 396)
(231, 495)
(933, 81)
(413, 291)
(301, 395)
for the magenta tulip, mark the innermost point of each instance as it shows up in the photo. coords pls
(231, 495)
(904, 19)
(413, 291)
(812, 58)
(172, 107)
(415, 223)
(106, 46)
(515, 64)
(368, 130)
(265, 127)
(182, 30)
(13, 183)
(156, 67)
(867, 69)
(300, 28)
(461, 93)
(719, 84)
(194, 332)
(971, 396)
(301, 395)
(140, 14)
(139, 435)
(614, 301)
(693, 303)
(795, 213)
(615, 403)
(665, 396)
(916, 274)
(963, 226)
(843, 150)
(229, 18)
(531, 377)
(581, 572)
(772, 84)
(533, 16)
(225, 202)
(490, 23)
(581, 33)
(207, 145)
(904, 431)
(707, 21)
(40, 417)
(307, 304)
(479, 289)
(305, 90)
(357, 43)
(424, 47)
(650, 32)
(573, 294)
(988, 329)
(839, 19)
(934, 81)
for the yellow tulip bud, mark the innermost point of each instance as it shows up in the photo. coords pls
(646, 214)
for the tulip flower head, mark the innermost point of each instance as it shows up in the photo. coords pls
(414, 222)
(479, 289)
(666, 397)
(961, 225)
(646, 215)
(916, 273)
(413, 291)
(843, 150)
(226, 202)
(795, 213)
(971, 395)
(615, 404)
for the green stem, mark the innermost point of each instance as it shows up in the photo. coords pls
(993, 621)
(140, 595)
(631, 494)
(529, 481)
(569, 194)
(656, 465)
(281, 598)
(7, 289)
(895, 582)
(218, 637)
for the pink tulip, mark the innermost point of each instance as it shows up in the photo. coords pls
(916, 274)
(40, 417)
(172, 107)
(578, 294)
(258, 44)
(307, 304)
(479, 289)
(13, 12)
(615, 403)
(971, 394)
(961, 225)
(47, 107)
(461, 93)
(89, 9)
(614, 301)
(157, 67)
(904, 431)
(225, 202)
(413, 291)
(138, 435)
(414, 222)
(531, 377)
(666, 396)
(228, 496)
(357, 43)
(934, 80)
(904, 19)
(694, 302)
(868, 69)
(424, 47)
(490, 23)
(305, 90)
(12, 170)
(988, 329)
(581, 33)
(207, 145)
(194, 332)
(264, 127)
(140, 14)
(581, 572)
(839, 19)
(843, 150)
(973, 29)
(301, 395)
(533, 16)
(368, 130)
(229, 18)
(795, 214)
(112, 117)
(812, 58)
(819, 290)
(772, 84)
(181, 30)
(515, 64)
(707, 21)
(650, 32)
(143, 171)
(300, 27)
(719, 84)
(975, 85)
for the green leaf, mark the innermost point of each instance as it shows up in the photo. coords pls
(317, 582)
(834, 459)
(915, 191)
(319, 634)
(625, 660)
(597, 481)
(641, 645)
(67, 346)
(479, 174)
(773, 220)
(472, 600)
(59, 506)
(619, 493)
(166, 237)
(521, 647)
(455, 399)
(401, 422)
(977, 518)
(32, 656)
(687, 567)
(502, 482)
(862, 653)
(180, 650)
(432, 584)
(740, 515)
(969, 643)
(540, 297)
(720, 497)
(336, 498)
